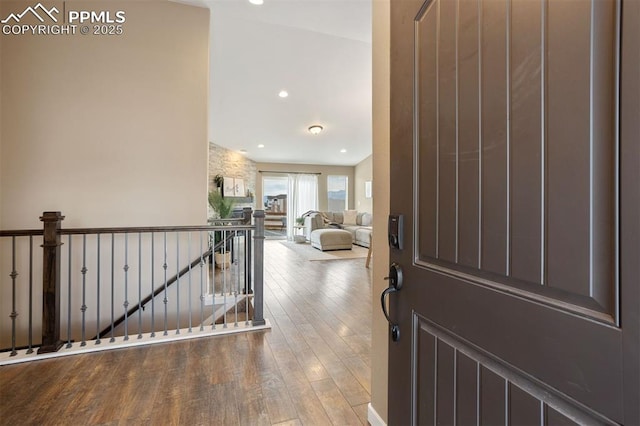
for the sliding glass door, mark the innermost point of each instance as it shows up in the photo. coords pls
(275, 197)
(303, 190)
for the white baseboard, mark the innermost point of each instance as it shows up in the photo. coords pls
(373, 417)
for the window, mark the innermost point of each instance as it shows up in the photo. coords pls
(274, 194)
(337, 193)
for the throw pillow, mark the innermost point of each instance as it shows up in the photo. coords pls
(367, 219)
(350, 217)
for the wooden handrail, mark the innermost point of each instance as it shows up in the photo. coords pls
(130, 229)
(150, 229)
(22, 233)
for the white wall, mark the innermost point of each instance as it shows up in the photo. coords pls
(110, 130)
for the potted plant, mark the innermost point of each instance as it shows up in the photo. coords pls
(223, 209)
(219, 181)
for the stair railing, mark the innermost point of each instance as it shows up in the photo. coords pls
(88, 279)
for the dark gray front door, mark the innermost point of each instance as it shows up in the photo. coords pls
(514, 160)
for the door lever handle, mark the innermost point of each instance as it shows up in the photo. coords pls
(395, 284)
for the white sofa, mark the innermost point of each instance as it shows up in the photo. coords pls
(360, 230)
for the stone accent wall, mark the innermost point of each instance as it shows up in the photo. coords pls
(229, 163)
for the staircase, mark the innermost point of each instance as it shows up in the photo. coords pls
(101, 288)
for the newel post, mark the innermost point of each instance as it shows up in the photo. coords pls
(51, 282)
(258, 269)
(248, 253)
(246, 215)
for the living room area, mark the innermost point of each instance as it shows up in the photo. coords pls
(315, 362)
(290, 126)
(298, 198)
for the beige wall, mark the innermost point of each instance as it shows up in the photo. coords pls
(110, 130)
(1, 62)
(381, 93)
(324, 171)
(363, 173)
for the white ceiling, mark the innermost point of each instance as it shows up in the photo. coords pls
(317, 50)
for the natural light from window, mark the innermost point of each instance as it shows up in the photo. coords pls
(337, 193)
(274, 194)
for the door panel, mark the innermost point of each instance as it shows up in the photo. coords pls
(429, 150)
(493, 148)
(506, 123)
(456, 379)
(468, 148)
(526, 158)
(546, 205)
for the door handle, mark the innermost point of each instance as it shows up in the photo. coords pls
(395, 284)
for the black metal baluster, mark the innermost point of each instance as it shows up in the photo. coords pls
(249, 257)
(126, 286)
(189, 260)
(202, 271)
(14, 313)
(177, 283)
(165, 300)
(153, 299)
(140, 285)
(84, 270)
(236, 268)
(98, 291)
(211, 273)
(245, 288)
(224, 276)
(30, 349)
(69, 301)
(113, 286)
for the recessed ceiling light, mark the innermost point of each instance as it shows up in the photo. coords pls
(343, 150)
(256, 2)
(283, 94)
(261, 146)
(315, 129)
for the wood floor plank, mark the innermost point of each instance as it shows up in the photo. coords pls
(360, 370)
(252, 407)
(277, 399)
(294, 422)
(312, 367)
(341, 375)
(334, 403)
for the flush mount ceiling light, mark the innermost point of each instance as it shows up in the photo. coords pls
(261, 145)
(343, 150)
(256, 2)
(315, 129)
(283, 94)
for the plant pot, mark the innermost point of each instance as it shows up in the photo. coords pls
(222, 260)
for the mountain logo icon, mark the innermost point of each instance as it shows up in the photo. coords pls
(34, 11)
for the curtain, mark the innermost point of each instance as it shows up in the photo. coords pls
(303, 196)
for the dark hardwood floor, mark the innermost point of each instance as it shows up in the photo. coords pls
(312, 368)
